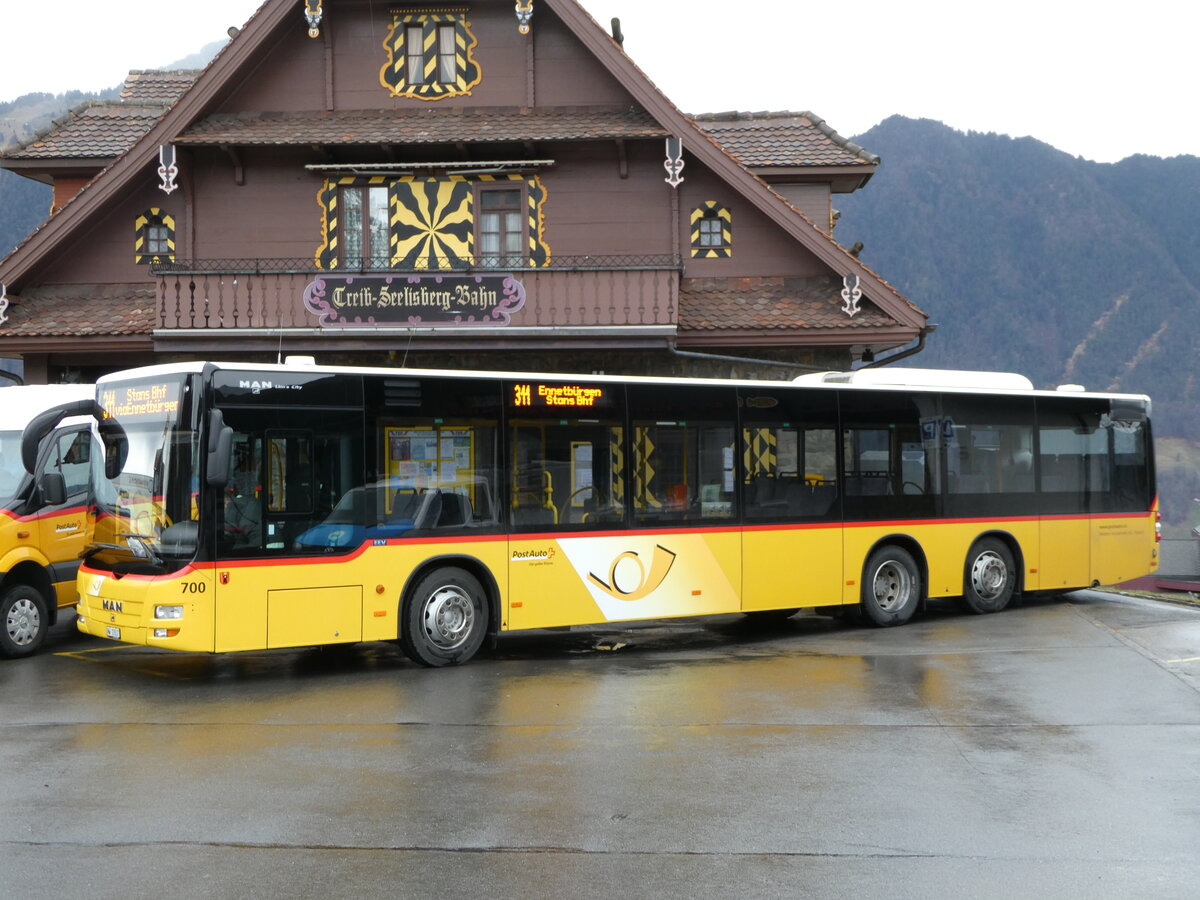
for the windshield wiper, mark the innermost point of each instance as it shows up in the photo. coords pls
(135, 548)
(139, 546)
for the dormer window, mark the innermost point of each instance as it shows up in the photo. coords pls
(430, 55)
(712, 231)
(447, 54)
(154, 237)
(414, 44)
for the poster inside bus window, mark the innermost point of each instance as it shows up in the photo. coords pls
(428, 456)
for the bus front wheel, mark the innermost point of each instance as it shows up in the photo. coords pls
(24, 619)
(989, 578)
(891, 586)
(444, 619)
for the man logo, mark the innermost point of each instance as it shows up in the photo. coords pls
(646, 584)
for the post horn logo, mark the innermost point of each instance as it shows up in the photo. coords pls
(646, 584)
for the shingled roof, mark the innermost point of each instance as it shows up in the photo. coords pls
(98, 129)
(162, 86)
(92, 309)
(767, 139)
(424, 126)
(770, 304)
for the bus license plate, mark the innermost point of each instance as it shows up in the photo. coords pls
(114, 633)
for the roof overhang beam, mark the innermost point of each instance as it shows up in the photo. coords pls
(481, 167)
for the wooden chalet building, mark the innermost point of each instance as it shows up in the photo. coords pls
(445, 185)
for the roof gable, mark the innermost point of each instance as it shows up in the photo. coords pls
(185, 121)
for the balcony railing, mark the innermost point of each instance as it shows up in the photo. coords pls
(576, 291)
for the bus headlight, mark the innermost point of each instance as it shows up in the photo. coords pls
(168, 612)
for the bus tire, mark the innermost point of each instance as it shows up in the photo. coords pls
(891, 586)
(989, 577)
(23, 621)
(444, 619)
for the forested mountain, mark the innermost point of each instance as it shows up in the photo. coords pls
(1034, 261)
(25, 203)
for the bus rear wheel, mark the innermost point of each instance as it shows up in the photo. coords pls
(989, 578)
(444, 619)
(23, 621)
(891, 586)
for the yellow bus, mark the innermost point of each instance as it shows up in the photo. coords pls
(262, 506)
(43, 516)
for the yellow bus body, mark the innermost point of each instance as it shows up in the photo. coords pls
(554, 580)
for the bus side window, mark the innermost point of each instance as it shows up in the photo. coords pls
(567, 472)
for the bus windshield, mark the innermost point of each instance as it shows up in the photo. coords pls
(147, 492)
(11, 469)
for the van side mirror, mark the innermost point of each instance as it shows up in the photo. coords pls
(53, 489)
(220, 446)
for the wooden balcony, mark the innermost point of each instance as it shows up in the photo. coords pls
(571, 293)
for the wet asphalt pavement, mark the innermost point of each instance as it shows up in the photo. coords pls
(1051, 750)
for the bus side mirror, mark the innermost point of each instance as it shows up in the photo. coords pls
(53, 489)
(220, 446)
(116, 449)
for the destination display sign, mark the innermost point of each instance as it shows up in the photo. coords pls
(147, 399)
(558, 396)
(364, 301)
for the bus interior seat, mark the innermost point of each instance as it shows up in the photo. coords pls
(530, 510)
(811, 499)
(406, 503)
(482, 507)
(455, 510)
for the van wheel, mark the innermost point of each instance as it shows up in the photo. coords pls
(24, 621)
(444, 619)
(891, 586)
(989, 577)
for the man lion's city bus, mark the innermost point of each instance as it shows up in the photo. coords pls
(261, 506)
(43, 521)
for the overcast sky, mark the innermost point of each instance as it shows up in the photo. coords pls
(1095, 80)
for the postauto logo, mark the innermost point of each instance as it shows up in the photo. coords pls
(623, 587)
(533, 555)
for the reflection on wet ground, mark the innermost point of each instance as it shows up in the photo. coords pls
(1058, 740)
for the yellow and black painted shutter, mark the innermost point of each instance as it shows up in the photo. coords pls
(394, 74)
(712, 210)
(144, 253)
(431, 220)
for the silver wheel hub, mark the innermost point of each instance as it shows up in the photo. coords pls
(449, 617)
(23, 622)
(989, 575)
(891, 585)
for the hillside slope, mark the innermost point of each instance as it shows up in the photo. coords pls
(1031, 260)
